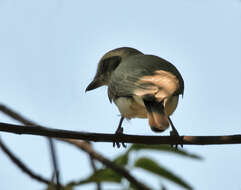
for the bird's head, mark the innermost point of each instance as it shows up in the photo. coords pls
(108, 63)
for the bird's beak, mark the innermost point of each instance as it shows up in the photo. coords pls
(94, 84)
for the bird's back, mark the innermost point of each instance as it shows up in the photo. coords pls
(125, 80)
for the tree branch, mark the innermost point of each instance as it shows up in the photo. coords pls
(18, 117)
(21, 165)
(92, 163)
(14, 115)
(87, 148)
(137, 139)
(54, 163)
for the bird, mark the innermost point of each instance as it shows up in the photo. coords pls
(141, 86)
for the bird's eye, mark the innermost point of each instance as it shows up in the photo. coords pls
(110, 64)
(105, 65)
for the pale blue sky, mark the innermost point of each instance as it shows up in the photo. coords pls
(49, 51)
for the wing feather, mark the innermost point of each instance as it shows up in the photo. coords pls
(143, 75)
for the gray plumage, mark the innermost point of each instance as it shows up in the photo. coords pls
(142, 86)
(124, 81)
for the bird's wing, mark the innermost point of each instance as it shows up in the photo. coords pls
(145, 75)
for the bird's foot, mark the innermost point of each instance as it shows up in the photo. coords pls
(118, 133)
(174, 133)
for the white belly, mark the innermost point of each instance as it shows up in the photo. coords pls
(131, 107)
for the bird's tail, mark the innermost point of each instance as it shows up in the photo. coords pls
(156, 116)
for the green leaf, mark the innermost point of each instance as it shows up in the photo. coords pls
(122, 159)
(102, 175)
(131, 186)
(165, 148)
(52, 187)
(153, 167)
(68, 188)
(163, 187)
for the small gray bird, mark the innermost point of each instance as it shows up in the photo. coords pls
(142, 86)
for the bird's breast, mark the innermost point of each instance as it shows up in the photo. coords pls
(131, 107)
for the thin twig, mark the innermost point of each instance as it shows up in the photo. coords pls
(120, 170)
(54, 163)
(102, 137)
(18, 117)
(14, 115)
(94, 155)
(22, 166)
(92, 163)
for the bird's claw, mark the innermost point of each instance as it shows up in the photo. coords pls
(174, 133)
(118, 133)
(119, 145)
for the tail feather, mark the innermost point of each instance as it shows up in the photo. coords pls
(156, 116)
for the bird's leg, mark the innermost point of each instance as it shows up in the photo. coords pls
(173, 132)
(120, 129)
(118, 132)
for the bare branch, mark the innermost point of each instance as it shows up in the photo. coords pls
(21, 165)
(83, 146)
(54, 163)
(137, 139)
(87, 148)
(92, 163)
(14, 115)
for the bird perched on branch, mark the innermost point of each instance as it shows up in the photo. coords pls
(142, 86)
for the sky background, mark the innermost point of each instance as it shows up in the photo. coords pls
(49, 52)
